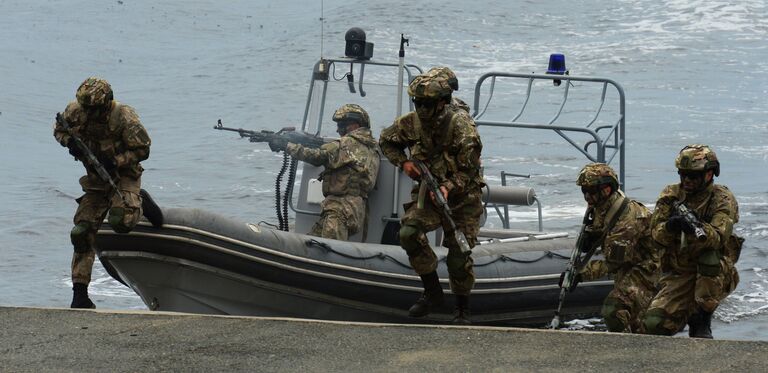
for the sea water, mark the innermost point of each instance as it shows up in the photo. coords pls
(694, 71)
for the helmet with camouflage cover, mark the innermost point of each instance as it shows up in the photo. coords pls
(446, 73)
(595, 174)
(697, 157)
(94, 92)
(352, 112)
(430, 86)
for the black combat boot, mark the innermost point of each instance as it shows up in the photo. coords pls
(700, 325)
(80, 297)
(461, 313)
(431, 297)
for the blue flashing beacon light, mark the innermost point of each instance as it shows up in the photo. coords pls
(557, 66)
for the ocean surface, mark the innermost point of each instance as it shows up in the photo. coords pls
(694, 71)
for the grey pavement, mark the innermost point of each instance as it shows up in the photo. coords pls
(63, 340)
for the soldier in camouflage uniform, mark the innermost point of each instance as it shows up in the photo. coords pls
(445, 138)
(113, 132)
(621, 229)
(351, 166)
(697, 273)
(446, 73)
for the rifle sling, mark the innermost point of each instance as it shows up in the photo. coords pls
(613, 215)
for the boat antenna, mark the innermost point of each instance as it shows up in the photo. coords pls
(392, 228)
(322, 26)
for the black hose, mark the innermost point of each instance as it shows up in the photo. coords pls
(289, 189)
(283, 225)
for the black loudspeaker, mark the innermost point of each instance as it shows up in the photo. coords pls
(356, 46)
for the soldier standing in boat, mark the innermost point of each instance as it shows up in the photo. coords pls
(445, 139)
(114, 135)
(693, 221)
(446, 73)
(621, 228)
(351, 166)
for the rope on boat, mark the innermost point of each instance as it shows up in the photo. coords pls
(504, 258)
(381, 255)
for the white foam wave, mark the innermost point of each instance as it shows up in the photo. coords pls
(746, 303)
(754, 151)
(585, 324)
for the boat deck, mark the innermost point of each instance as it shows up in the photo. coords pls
(37, 339)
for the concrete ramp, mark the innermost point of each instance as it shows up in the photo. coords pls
(62, 340)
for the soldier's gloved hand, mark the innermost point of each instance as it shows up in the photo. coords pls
(675, 223)
(73, 149)
(107, 162)
(278, 144)
(589, 238)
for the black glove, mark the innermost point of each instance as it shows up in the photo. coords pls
(589, 238)
(107, 162)
(576, 280)
(677, 223)
(278, 144)
(74, 150)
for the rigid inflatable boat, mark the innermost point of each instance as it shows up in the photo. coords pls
(203, 262)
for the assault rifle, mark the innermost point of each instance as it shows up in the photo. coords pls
(288, 134)
(690, 220)
(581, 254)
(89, 157)
(442, 204)
(150, 209)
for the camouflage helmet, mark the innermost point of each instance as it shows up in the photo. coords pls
(94, 92)
(430, 86)
(446, 73)
(595, 174)
(697, 157)
(352, 112)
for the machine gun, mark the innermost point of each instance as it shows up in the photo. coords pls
(580, 256)
(690, 220)
(442, 204)
(90, 159)
(287, 133)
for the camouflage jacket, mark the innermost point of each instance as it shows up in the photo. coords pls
(122, 139)
(458, 104)
(351, 163)
(450, 147)
(718, 211)
(627, 247)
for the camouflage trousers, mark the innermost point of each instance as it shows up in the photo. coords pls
(624, 307)
(683, 292)
(341, 217)
(416, 222)
(92, 208)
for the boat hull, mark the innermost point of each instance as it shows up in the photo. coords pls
(201, 262)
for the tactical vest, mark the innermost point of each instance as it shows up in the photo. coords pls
(437, 152)
(354, 178)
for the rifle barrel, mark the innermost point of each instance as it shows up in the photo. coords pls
(434, 186)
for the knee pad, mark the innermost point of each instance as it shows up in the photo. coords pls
(456, 266)
(654, 320)
(117, 220)
(79, 237)
(611, 308)
(409, 239)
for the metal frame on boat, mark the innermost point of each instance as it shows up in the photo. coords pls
(205, 263)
